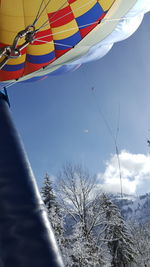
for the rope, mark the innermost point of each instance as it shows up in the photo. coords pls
(119, 166)
(65, 45)
(117, 150)
(70, 29)
(46, 23)
(118, 123)
(67, 30)
(114, 137)
(37, 16)
(102, 21)
(39, 13)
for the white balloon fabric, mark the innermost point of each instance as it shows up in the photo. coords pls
(142, 6)
(125, 28)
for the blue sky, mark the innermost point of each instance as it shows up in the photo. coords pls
(59, 120)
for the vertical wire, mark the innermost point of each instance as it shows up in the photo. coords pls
(39, 14)
(114, 137)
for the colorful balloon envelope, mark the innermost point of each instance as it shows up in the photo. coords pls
(40, 37)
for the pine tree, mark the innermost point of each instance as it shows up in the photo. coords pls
(117, 235)
(53, 209)
(47, 193)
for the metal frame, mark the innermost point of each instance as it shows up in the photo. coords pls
(13, 51)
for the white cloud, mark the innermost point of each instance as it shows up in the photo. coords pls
(135, 173)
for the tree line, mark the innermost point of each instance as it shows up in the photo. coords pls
(88, 226)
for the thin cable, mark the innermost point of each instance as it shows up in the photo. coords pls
(55, 43)
(103, 117)
(73, 28)
(114, 137)
(118, 123)
(120, 172)
(37, 16)
(74, 10)
(40, 13)
(70, 12)
(117, 150)
(67, 30)
(47, 21)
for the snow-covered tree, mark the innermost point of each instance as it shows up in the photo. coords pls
(117, 235)
(85, 251)
(47, 192)
(76, 191)
(88, 226)
(141, 235)
(53, 209)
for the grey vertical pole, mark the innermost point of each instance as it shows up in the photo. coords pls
(26, 237)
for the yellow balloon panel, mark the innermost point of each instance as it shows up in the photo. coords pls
(106, 4)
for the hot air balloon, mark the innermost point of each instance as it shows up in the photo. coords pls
(40, 38)
(52, 37)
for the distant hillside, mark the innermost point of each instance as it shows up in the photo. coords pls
(134, 208)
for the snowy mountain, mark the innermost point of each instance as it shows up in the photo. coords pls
(133, 207)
